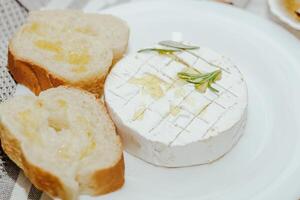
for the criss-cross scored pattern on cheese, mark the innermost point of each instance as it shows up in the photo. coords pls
(144, 93)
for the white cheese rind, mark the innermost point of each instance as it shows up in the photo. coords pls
(171, 124)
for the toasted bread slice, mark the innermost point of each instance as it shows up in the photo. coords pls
(108, 28)
(64, 141)
(66, 48)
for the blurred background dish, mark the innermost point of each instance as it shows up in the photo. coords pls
(287, 11)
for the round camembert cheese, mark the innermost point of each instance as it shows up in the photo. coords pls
(166, 121)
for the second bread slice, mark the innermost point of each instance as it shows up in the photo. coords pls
(66, 48)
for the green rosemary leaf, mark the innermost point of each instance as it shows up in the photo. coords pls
(218, 76)
(160, 50)
(201, 87)
(183, 76)
(196, 81)
(196, 78)
(212, 89)
(187, 75)
(193, 76)
(177, 45)
(202, 81)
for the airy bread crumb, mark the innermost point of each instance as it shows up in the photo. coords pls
(64, 141)
(67, 47)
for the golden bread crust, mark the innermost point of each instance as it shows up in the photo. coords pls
(42, 179)
(37, 79)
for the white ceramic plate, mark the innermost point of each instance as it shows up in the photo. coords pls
(265, 164)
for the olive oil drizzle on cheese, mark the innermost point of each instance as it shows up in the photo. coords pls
(139, 114)
(174, 110)
(151, 84)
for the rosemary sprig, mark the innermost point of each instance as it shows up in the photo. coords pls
(177, 45)
(160, 50)
(202, 81)
(167, 52)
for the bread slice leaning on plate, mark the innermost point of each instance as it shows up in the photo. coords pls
(58, 47)
(64, 141)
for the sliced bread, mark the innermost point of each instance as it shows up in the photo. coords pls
(108, 28)
(66, 48)
(64, 141)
